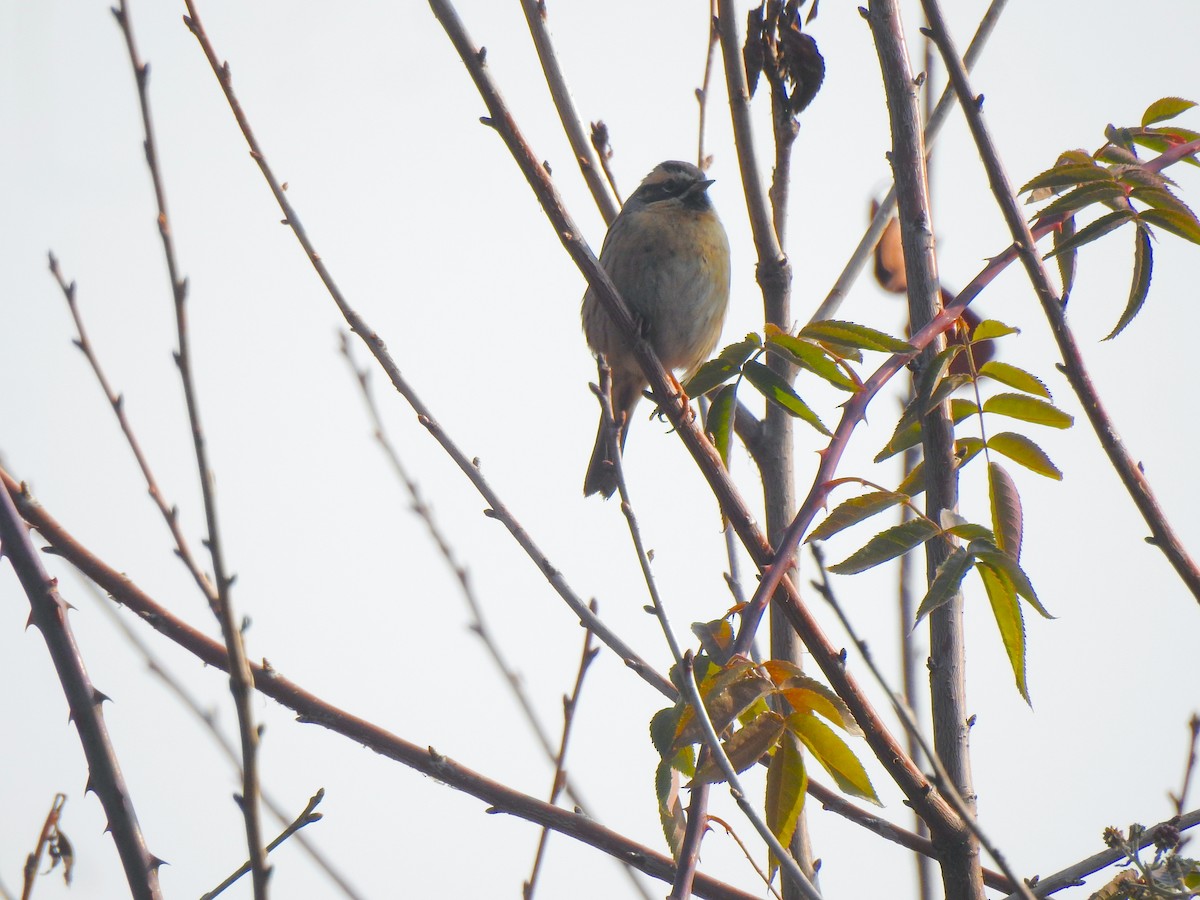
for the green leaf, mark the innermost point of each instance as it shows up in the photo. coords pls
(741, 351)
(1008, 522)
(1014, 378)
(1093, 230)
(1166, 108)
(1143, 267)
(780, 393)
(1061, 176)
(708, 376)
(1161, 198)
(670, 807)
(1174, 221)
(888, 544)
(747, 745)
(993, 556)
(1021, 449)
(663, 725)
(787, 782)
(970, 531)
(721, 417)
(931, 376)
(1067, 260)
(967, 448)
(907, 434)
(946, 581)
(851, 334)
(944, 389)
(852, 511)
(834, 756)
(1081, 198)
(1007, 612)
(990, 329)
(914, 482)
(1028, 409)
(812, 357)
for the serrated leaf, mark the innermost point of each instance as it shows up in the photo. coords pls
(1028, 409)
(1161, 198)
(1011, 624)
(1143, 268)
(1162, 139)
(888, 544)
(851, 334)
(946, 581)
(708, 376)
(944, 389)
(1008, 521)
(1081, 198)
(812, 357)
(787, 782)
(737, 353)
(806, 694)
(1021, 449)
(670, 807)
(1092, 231)
(971, 531)
(722, 414)
(716, 637)
(931, 376)
(1166, 108)
(663, 725)
(906, 435)
(990, 329)
(834, 756)
(780, 393)
(1061, 176)
(1174, 221)
(914, 482)
(1014, 378)
(1067, 260)
(1002, 562)
(747, 745)
(966, 449)
(852, 511)
(727, 694)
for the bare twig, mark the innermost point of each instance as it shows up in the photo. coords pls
(33, 861)
(1130, 473)
(958, 851)
(746, 853)
(692, 692)
(48, 612)
(535, 16)
(240, 682)
(307, 817)
(570, 702)
(702, 161)
(1189, 767)
(193, 705)
(312, 709)
(866, 245)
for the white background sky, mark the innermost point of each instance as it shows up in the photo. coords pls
(433, 235)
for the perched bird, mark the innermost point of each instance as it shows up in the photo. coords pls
(668, 256)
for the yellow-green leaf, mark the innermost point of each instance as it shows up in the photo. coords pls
(1028, 409)
(946, 581)
(1094, 230)
(1002, 562)
(787, 782)
(722, 413)
(1014, 378)
(851, 334)
(780, 393)
(852, 511)
(741, 351)
(888, 544)
(1008, 522)
(1007, 612)
(834, 756)
(1174, 221)
(990, 329)
(806, 694)
(1166, 108)
(811, 356)
(1021, 449)
(708, 376)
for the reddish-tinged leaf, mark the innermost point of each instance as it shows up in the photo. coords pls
(834, 756)
(1008, 522)
(853, 511)
(1007, 612)
(888, 544)
(1143, 268)
(1028, 409)
(946, 581)
(806, 694)
(1021, 449)
(747, 745)
(1014, 378)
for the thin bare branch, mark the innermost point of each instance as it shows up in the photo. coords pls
(33, 861)
(1189, 767)
(306, 817)
(535, 16)
(313, 710)
(48, 612)
(240, 682)
(702, 161)
(1130, 473)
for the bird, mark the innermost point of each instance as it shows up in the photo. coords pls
(668, 257)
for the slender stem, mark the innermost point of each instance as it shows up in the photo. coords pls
(535, 16)
(702, 160)
(33, 861)
(48, 612)
(1130, 473)
(240, 682)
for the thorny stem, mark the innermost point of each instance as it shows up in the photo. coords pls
(240, 681)
(1130, 473)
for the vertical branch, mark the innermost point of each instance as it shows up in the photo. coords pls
(240, 678)
(535, 16)
(48, 612)
(961, 874)
(702, 161)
